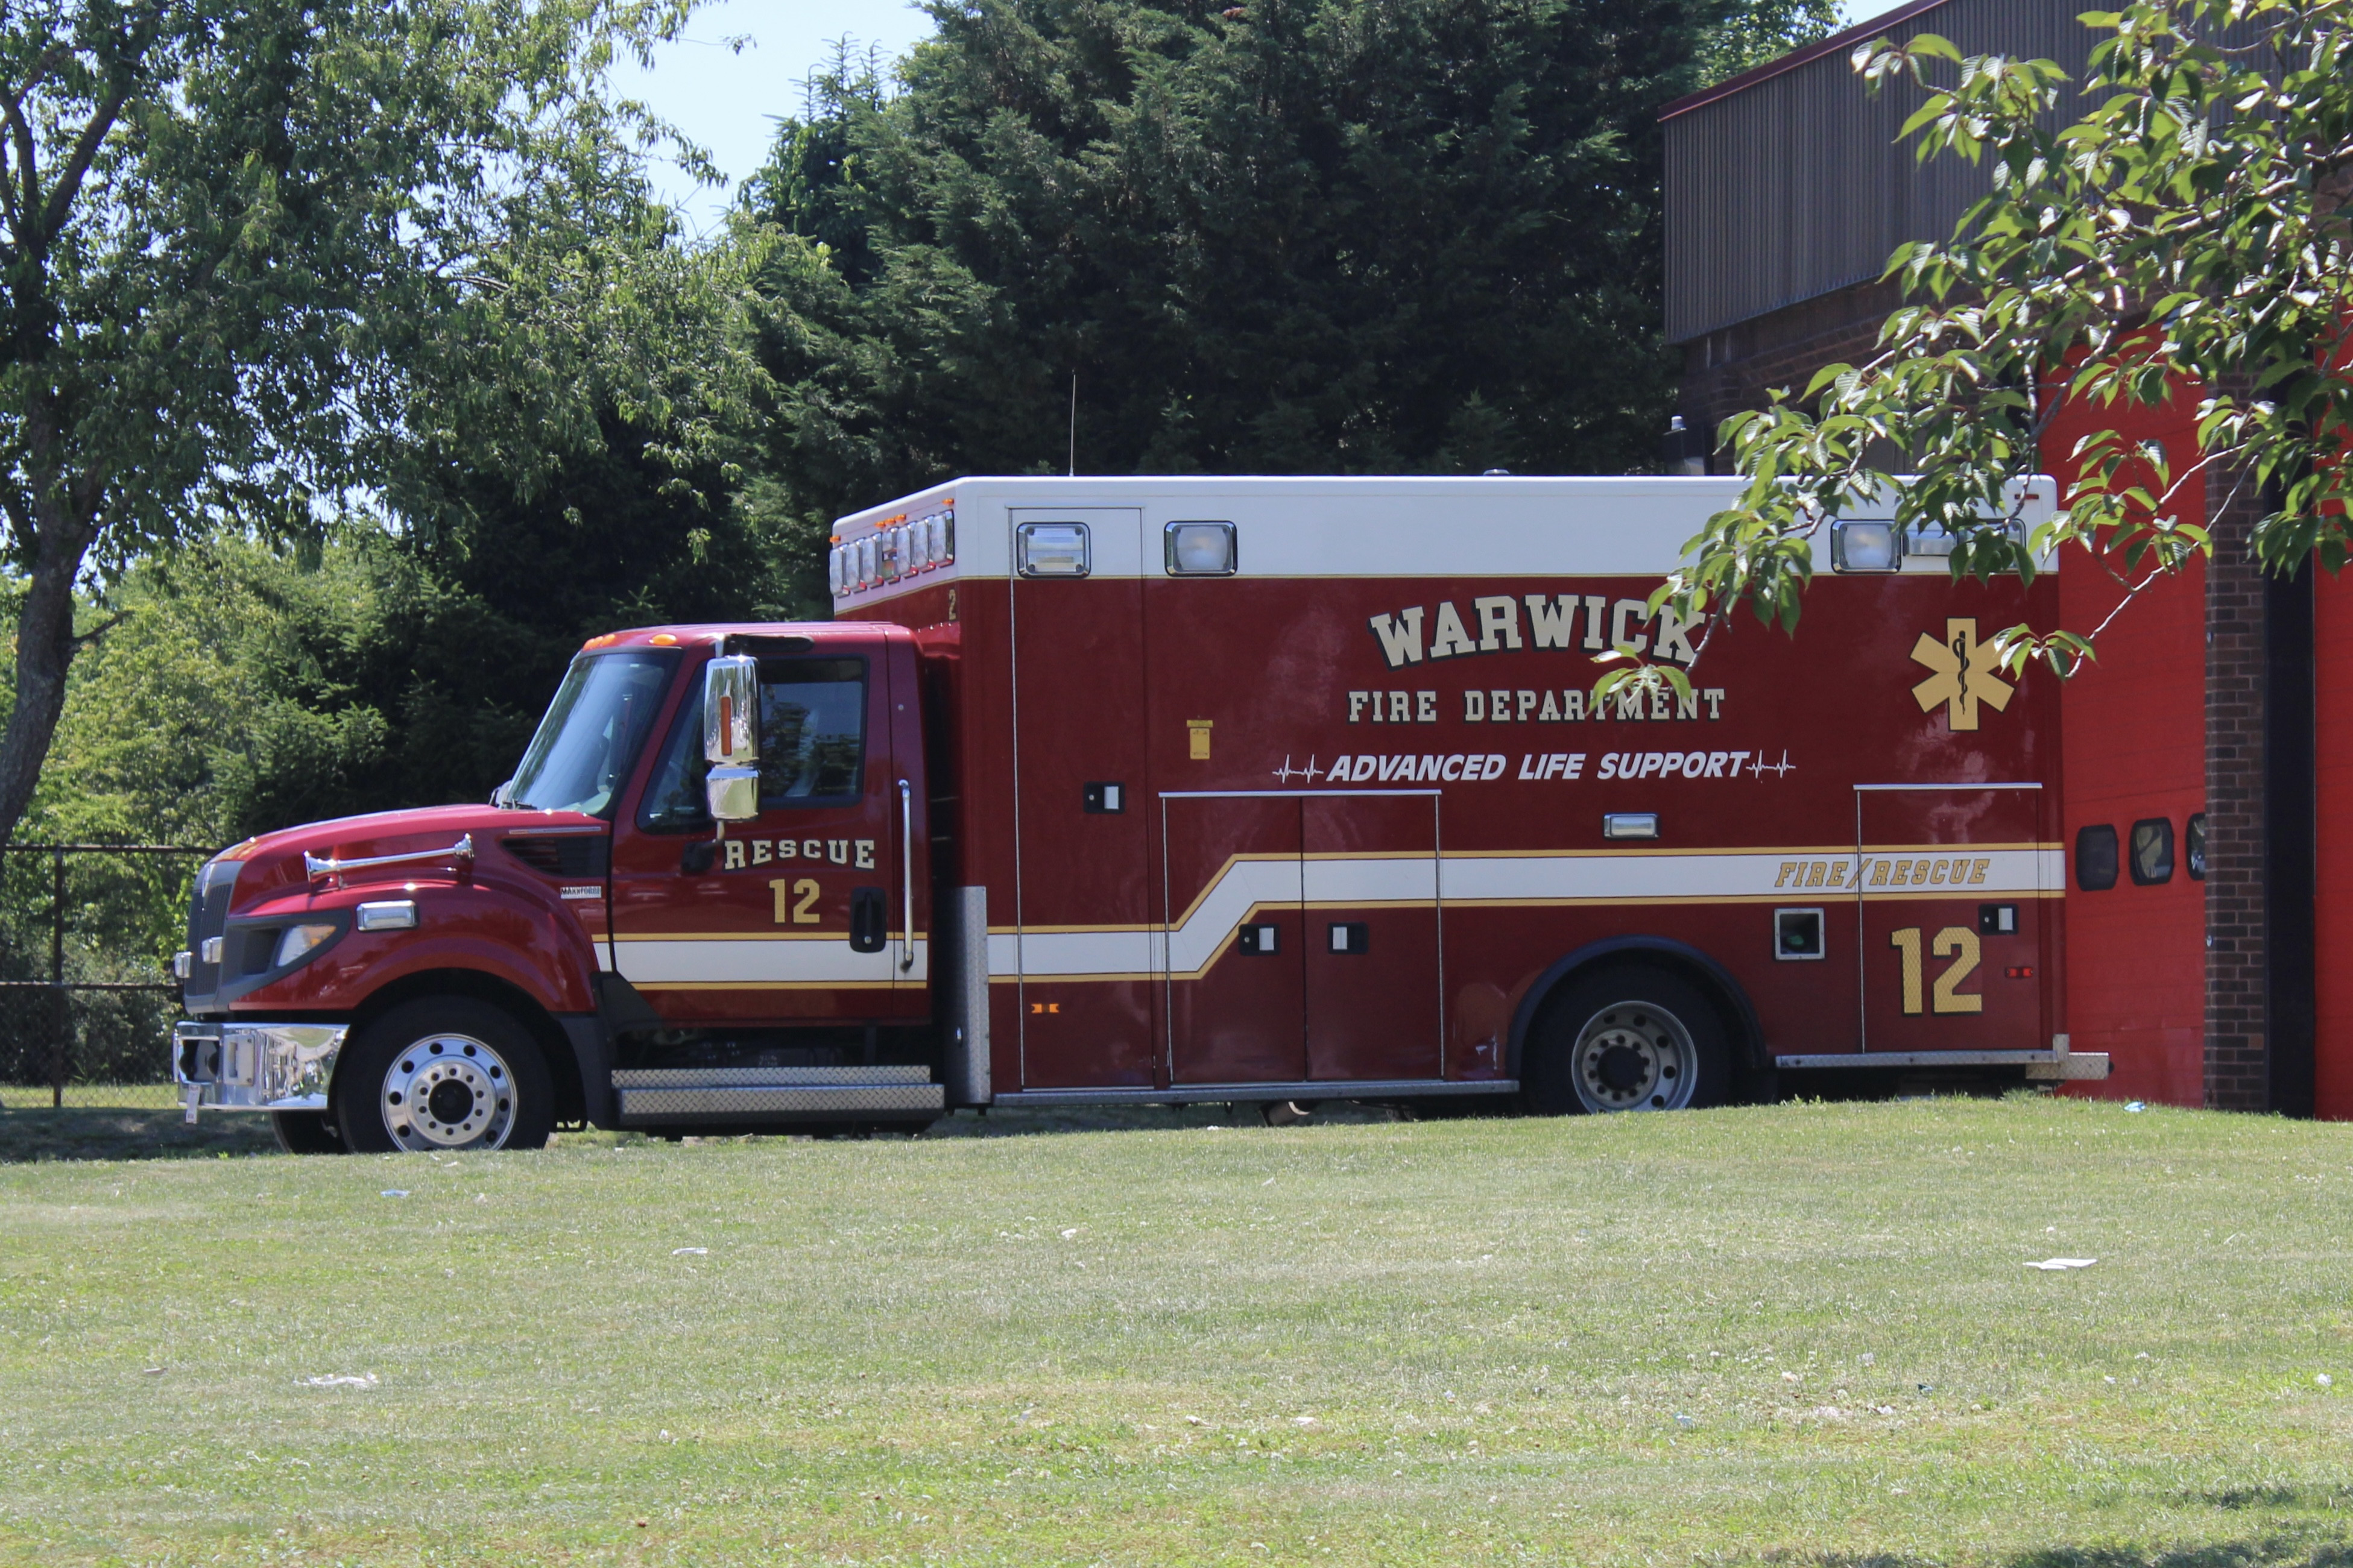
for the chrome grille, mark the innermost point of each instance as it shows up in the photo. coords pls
(209, 916)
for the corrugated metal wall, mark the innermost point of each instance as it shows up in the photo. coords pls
(1795, 185)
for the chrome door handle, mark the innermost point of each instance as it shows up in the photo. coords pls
(906, 876)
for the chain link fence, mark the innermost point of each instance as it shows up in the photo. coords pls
(87, 997)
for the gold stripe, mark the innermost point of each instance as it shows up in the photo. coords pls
(764, 984)
(1080, 979)
(1211, 885)
(749, 936)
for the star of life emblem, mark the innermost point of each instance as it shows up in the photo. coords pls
(1964, 675)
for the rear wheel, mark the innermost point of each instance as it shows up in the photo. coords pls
(307, 1131)
(444, 1074)
(1629, 1038)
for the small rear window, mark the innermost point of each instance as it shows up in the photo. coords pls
(2096, 858)
(2152, 851)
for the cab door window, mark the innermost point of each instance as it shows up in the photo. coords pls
(812, 744)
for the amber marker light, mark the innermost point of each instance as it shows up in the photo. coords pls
(663, 640)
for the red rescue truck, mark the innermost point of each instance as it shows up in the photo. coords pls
(1272, 791)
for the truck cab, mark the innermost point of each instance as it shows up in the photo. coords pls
(703, 901)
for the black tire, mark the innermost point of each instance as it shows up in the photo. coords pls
(447, 1074)
(1628, 1037)
(307, 1131)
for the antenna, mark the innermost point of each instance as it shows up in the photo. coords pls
(1074, 425)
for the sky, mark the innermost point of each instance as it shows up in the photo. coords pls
(1865, 10)
(728, 101)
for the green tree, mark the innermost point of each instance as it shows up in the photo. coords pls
(248, 257)
(2195, 226)
(1279, 236)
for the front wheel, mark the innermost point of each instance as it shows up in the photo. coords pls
(1630, 1038)
(307, 1131)
(444, 1074)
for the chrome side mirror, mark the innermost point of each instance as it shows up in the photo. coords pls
(730, 737)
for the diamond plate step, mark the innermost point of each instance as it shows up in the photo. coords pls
(682, 1095)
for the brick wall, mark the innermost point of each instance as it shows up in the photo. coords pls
(1735, 368)
(2237, 1073)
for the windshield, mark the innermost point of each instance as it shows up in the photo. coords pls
(592, 732)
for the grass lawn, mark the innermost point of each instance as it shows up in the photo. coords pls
(1797, 1332)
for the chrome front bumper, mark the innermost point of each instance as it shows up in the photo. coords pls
(255, 1066)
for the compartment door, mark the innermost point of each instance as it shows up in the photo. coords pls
(1082, 898)
(1234, 932)
(1370, 875)
(1955, 948)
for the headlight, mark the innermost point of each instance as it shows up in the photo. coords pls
(296, 940)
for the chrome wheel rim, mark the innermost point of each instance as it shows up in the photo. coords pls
(448, 1092)
(1634, 1056)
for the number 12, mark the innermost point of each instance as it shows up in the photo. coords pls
(795, 901)
(1958, 944)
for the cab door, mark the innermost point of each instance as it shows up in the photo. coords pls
(800, 914)
(1954, 938)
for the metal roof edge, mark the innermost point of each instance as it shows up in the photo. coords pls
(1846, 39)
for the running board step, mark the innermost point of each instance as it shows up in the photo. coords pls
(686, 1096)
(1252, 1093)
(2043, 1066)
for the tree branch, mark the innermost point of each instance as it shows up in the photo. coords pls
(83, 639)
(127, 65)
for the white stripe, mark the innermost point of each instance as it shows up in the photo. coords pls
(1534, 527)
(1471, 880)
(1666, 876)
(754, 962)
(1245, 885)
(1413, 880)
(1044, 955)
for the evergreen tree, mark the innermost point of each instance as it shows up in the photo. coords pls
(1277, 236)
